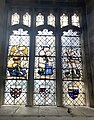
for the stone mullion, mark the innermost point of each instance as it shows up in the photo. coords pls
(58, 63)
(30, 86)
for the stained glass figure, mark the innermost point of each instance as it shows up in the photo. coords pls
(44, 75)
(39, 20)
(72, 72)
(51, 20)
(27, 19)
(17, 68)
(15, 19)
(63, 20)
(76, 20)
(44, 62)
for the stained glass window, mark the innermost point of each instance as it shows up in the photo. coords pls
(76, 20)
(51, 20)
(63, 20)
(45, 71)
(15, 19)
(72, 72)
(45, 44)
(39, 20)
(27, 19)
(17, 68)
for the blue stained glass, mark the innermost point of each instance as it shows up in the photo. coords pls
(16, 72)
(73, 93)
(48, 70)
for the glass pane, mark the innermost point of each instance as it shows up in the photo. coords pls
(15, 19)
(63, 20)
(45, 69)
(27, 19)
(51, 20)
(17, 67)
(39, 20)
(72, 73)
(76, 20)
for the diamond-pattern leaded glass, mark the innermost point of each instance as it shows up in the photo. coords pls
(17, 68)
(15, 18)
(44, 73)
(27, 19)
(72, 73)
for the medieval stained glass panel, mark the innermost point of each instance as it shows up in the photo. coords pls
(76, 20)
(17, 68)
(63, 20)
(45, 71)
(39, 20)
(27, 19)
(51, 20)
(72, 72)
(15, 19)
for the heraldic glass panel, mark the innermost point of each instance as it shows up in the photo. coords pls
(72, 73)
(17, 68)
(45, 71)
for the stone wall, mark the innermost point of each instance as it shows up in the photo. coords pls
(90, 40)
(2, 46)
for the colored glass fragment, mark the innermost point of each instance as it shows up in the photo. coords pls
(44, 61)
(73, 90)
(73, 93)
(14, 63)
(15, 92)
(48, 70)
(16, 72)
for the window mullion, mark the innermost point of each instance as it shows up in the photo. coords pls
(58, 64)
(31, 63)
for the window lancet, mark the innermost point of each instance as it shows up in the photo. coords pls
(44, 75)
(17, 68)
(72, 72)
(15, 19)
